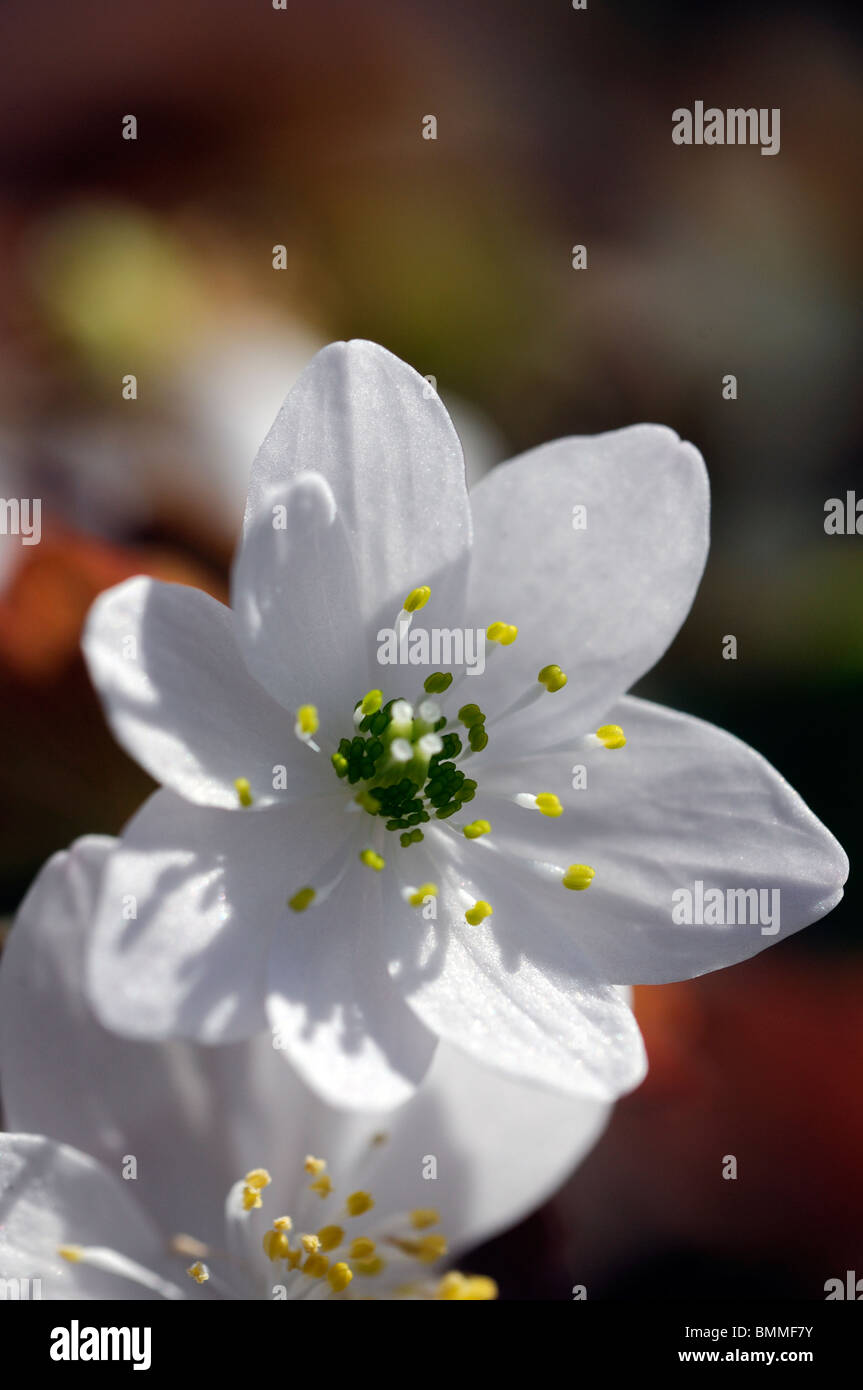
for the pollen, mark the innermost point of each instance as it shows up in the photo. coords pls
(475, 829)
(372, 860)
(552, 678)
(244, 791)
(313, 1165)
(311, 1244)
(301, 900)
(611, 736)
(578, 877)
(504, 633)
(417, 598)
(199, 1272)
(478, 912)
(358, 1203)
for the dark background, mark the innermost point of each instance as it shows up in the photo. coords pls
(304, 128)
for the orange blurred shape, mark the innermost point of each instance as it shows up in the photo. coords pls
(45, 600)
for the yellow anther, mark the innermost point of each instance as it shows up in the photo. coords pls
(372, 860)
(504, 633)
(339, 1276)
(478, 912)
(73, 1253)
(244, 791)
(316, 1266)
(548, 803)
(302, 899)
(329, 1237)
(257, 1179)
(417, 598)
(476, 828)
(431, 1248)
(362, 1248)
(199, 1272)
(359, 1202)
(277, 1244)
(368, 1268)
(368, 802)
(313, 1165)
(611, 736)
(283, 1223)
(311, 1244)
(322, 1185)
(371, 702)
(423, 1217)
(552, 678)
(466, 1288)
(307, 720)
(578, 877)
(425, 890)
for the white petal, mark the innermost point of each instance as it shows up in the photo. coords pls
(331, 1003)
(178, 696)
(384, 442)
(52, 1195)
(510, 992)
(296, 600)
(602, 603)
(500, 1146)
(682, 803)
(209, 889)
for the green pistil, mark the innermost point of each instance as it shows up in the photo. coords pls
(407, 793)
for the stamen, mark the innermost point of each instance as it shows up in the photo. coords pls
(466, 1288)
(475, 829)
(302, 899)
(199, 1272)
(437, 682)
(611, 736)
(244, 791)
(112, 1262)
(478, 913)
(339, 1276)
(416, 897)
(421, 1217)
(358, 1203)
(503, 633)
(255, 1182)
(546, 803)
(372, 860)
(330, 1237)
(552, 678)
(417, 598)
(578, 877)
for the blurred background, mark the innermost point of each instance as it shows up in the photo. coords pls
(303, 128)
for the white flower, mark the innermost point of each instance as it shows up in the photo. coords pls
(189, 1126)
(258, 900)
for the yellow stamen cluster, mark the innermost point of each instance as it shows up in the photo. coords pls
(611, 736)
(478, 912)
(504, 633)
(578, 877)
(552, 678)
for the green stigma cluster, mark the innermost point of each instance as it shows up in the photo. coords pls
(402, 774)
